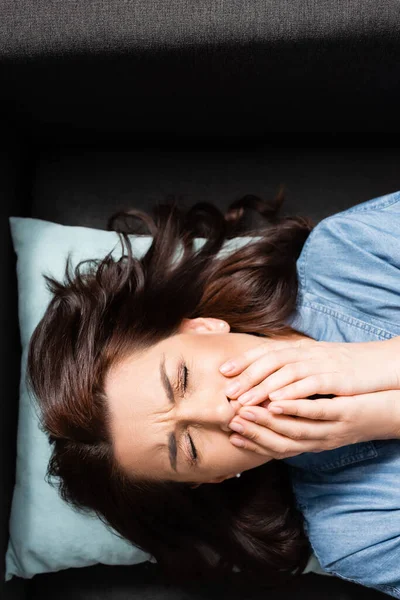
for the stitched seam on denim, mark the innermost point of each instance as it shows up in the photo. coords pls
(367, 452)
(349, 320)
(342, 462)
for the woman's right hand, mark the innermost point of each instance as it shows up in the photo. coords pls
(319, 425)
(305, 367)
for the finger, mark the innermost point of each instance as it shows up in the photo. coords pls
(299, 373)
(277, 446)
(319, 409)
(320, 383)
(236, 364)
(262, 368)
(294, 427)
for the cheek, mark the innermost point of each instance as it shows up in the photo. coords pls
(242, 458)
(231, 454)
(217, 449)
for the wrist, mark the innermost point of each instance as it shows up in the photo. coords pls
(392, 347)
(396, 414)
(389, 409)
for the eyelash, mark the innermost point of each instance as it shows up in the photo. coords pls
(184, 378)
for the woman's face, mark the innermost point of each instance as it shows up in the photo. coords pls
(150, 408)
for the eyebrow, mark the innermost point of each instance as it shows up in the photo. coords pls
(171, 441)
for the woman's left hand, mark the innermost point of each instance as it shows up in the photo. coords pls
(297, 369)
(321, 424)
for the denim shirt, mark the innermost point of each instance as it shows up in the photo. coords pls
(349, 291)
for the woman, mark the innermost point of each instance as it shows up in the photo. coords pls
(125, 368)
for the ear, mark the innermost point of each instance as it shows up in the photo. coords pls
(204, 325)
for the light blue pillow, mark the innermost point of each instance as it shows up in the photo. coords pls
(46, 534)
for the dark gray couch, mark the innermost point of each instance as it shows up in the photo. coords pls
(113, 104)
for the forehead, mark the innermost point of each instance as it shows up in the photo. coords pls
(139, 410)
(138, 368)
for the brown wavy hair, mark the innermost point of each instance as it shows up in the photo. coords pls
(99, 317)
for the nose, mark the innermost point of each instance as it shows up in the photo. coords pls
(210, 408)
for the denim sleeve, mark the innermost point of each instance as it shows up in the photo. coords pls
(352, 518)
(350, 264)
(349, 290)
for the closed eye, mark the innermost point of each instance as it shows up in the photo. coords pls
(183, 383)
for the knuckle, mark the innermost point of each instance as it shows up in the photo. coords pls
(296, 370)
(285, 374)
(289, 369)
(294, 409)
(298, 434)
(260, 450)
(318, 411)
(336, 439)
(330, 443)
(283, 451)
(305, 343)
(246, 377)
(302, 368)
(320, 381)
(321, 448)
(351, 415)
(285, 454)
(302, 343)
(319, 414)
(252, 435)
(265, 346)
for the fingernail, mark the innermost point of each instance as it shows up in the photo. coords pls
(236, 427)
(275, 409)
(227, 367)
(248, 415)
(237, 442)
(246, 397)
(233, 388)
